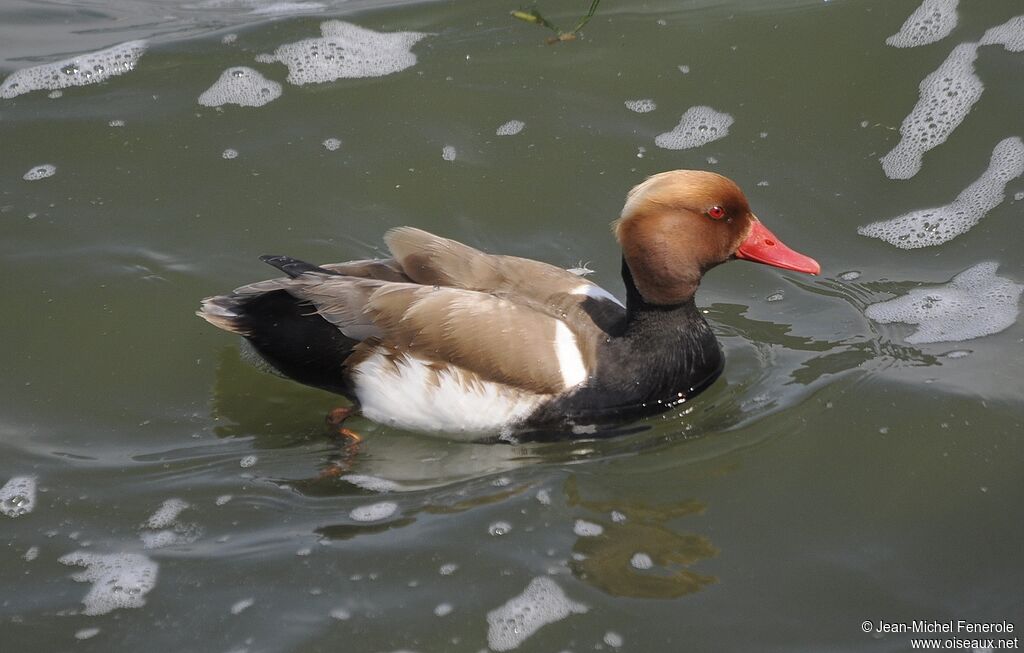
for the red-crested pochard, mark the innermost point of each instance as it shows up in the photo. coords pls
(444, 338)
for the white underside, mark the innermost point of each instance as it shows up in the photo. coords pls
(408, 395)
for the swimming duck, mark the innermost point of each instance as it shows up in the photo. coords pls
(447, 339)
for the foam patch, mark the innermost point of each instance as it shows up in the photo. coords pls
(975, 303)
(542, 602)
(242, 86)
(91, 68)
(645, 105)
(40, 172)
(510, 128)
(120, 580)
(347, 51)
(931, 22)
(18, 496)
(374, 511)
(1010, 35)
(698, 126)
(928, 227)
(946, 97)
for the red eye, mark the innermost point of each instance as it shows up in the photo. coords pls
(716, 212)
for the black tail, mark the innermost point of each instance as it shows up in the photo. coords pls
(293, 267)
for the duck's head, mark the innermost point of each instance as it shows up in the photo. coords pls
(677, 225)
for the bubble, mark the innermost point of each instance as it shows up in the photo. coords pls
(332, 144)
(443, 609)
(347, 51)
(641, 561)
(931, 22)
(698, 126)
(448, 569)
(448, 153)
(684, 69)
(973, 304)
(239, 606)
(86, 633)
(641, 106)
(242, 86)
(222, 499)
(166, 514)
(374, 511)
(120, 580)
(499, 528)
(89, 68)
(934, 226)
(371, 483)
(510, 128)
(852, 275)
(53, 95)
(542, 602)
(116, 123)
(341, 614)
(613, 639)
(228, 39)
(585, 528)
(40, 172)
(18, 496)
(247, 461)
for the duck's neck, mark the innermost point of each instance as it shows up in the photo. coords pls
(681, 340)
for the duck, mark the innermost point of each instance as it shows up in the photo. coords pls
(442, 338)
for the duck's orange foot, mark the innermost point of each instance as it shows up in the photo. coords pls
(335, 421)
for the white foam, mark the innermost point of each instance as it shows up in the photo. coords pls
(975, 303)
(119, 580)
(90, 68)
(239, 606)
(510, 128)
(544, 497)
(641, 561)
(372, 483)
(1010, 35)
(222, 499)
(613, 639)
(86, 633)
(443, 609)
(499, 528)
(341, 614)
(280, 8)
(18, 496)
(247, 461)
(585, 528)
(448, 568)
(347, 51)
(946, 97)
(448, 153)
(931, 22)
(332, 144)
(645, 105)
(374, 511)
(40, 172)
(934, 226)
(31, 554)
(698, 126)
(166, 514)
(242, 86)
(542, 602)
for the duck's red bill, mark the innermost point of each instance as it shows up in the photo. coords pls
(763, 247)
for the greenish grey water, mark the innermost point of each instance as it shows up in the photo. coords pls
(835, 474)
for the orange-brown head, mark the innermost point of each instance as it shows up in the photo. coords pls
(677, 225)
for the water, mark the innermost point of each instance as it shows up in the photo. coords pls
(836, 473)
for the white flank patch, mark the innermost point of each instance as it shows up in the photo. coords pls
(570, 362)
(595, 291)
(409, 396)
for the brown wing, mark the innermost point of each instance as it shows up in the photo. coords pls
(431, 260)
(496, 338)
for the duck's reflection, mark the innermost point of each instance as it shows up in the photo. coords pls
(637, 554)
